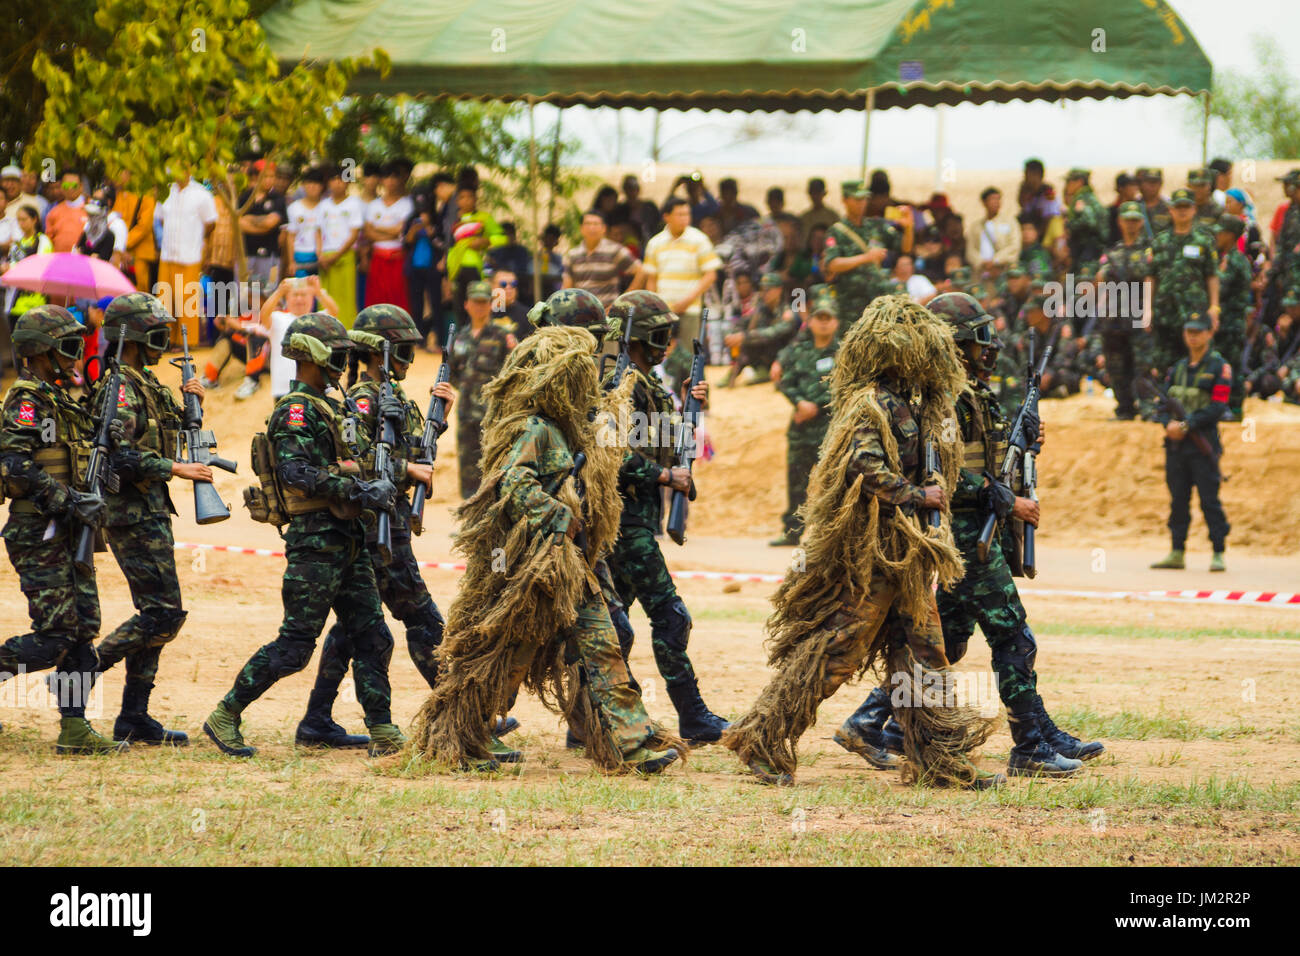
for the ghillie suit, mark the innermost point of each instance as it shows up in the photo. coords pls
(529, 611)
(868, 550)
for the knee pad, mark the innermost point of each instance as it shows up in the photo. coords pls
(162, 624)
(622, 628)
(1018, 654)
(673, 622)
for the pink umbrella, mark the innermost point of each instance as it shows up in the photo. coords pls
(67, 275)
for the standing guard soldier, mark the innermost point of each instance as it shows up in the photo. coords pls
(857, 247)
(476, 356)
(1130, 263)
(1237, 297)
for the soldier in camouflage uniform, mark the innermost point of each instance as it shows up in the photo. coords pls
(1156, 212)
(1237, 298)
(1186, 281)
(476, 356)
(1131, 263)
(649, 466)
(805, 380)
(770, 330)
(1202, 382)
(986, 595)
(1086, 222)
(45, 437)
(325, 543)
(857, 249)
(1201, 184)
(1284, 273)
(138, 516)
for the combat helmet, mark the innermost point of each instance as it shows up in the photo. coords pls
(651, 319)
(49, 328)
(969, 320)
(319, 338)
(574, 307)
(391, 322)
(141, 318)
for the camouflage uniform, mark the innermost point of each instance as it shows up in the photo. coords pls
(328, 563)
(1131, 265)
(1087, 225)
(855, 288)
(139, 531)
(765, 340)
(401, 586)
(804, 377)
(1236, 298)
(476, 357)
(62, 600)
(1036, 260)
(1182, 263)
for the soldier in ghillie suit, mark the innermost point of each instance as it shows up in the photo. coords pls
(529, 611)
(986, 595)
(870, 551)
(138, 521)
(649, 466)
(314, 479)
(42, 473)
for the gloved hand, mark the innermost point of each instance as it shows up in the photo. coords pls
(375, 495)
(1029, 434)
(996, 497)
(117, 432)
(85, 508)
(393, 409)
(126, 463)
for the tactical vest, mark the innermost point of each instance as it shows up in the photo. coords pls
(273, 502)
(987, 446)
(1193, 399)
(163, 418)
(407, 439)
(656, 437)
(68, 458)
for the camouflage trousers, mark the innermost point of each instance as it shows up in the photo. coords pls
(404, 593)
(63, 604)
(615, 695)
(145, 551)
(1118, 348)
(987, 596)
(640, 574)
(469, 451)
(801, 454)
(327, 569)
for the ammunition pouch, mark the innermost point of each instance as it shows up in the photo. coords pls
(66, 464)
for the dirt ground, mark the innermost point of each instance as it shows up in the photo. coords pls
(1198, 703)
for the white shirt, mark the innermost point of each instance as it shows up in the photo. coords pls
(282, 369)
(184, 216)
(304, 223)
(389, 217)
(338, 219)
(679, 263)
(117, 226)
(919, 287)
(9, 232)
(26, 199)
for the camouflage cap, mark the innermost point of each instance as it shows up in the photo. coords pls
(1200, 177)
(1016, 272)
(1150, 173)
(961, 275)
(40, 329)
(1230, 223)
(1182, 197)
(1197, 322)
(391, 321)
(823, 300)
(855, 189)
(1291, 177)
(770, 280)
(1291, 299)
(575, 307)
(1078, 172)
(479, 289)
(1132, 209)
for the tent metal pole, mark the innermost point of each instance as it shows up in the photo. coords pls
(866, 131)
(1205, 132)
(532, 181)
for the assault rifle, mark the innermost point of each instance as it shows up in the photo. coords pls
(624, 359)
(684, 455)
(1020, 453)
(435, 423)
(1148, 388)
(579, 461)
(199, 446)
(98, 477)
(934, 518)
(385, 439)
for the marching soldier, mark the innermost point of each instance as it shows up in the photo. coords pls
(138, 521)
(1202, 383)
(328, 564)
(45, 439)
(806, 366)
(476, 356)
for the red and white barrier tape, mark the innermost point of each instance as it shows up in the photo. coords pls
(1223, 596)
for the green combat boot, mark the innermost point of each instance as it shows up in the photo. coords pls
(984, 780)
(222, 726)
(1173, 561)
(1216, 562)
(385, 739)
(76, 736)
(646, 762)
(788, 539)
(770, 775)
(502, 753)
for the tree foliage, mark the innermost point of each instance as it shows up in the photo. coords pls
(1261, 111)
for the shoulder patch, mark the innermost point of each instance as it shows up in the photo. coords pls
(363, 405)
(296, 414)
(121, 396)
(25, 413)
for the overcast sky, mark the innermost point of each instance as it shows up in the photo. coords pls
(1148, 130)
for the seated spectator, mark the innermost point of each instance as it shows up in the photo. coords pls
(732, 213)
(787, 262)
(810, 257)
(291, 298)
(104, 234)
(243, 339)
(952, 238)
(597, 263)
(507, 311)
(992, 240)
(1033, 257)
(920, 288)
(513, 256)
(64, 222)
(928, 255)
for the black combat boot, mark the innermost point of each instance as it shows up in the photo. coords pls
(1065, 744)
(864, 732)
(1032, 756)
(134, 723)
(697, 724)
(504, 725)
(318, 729)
